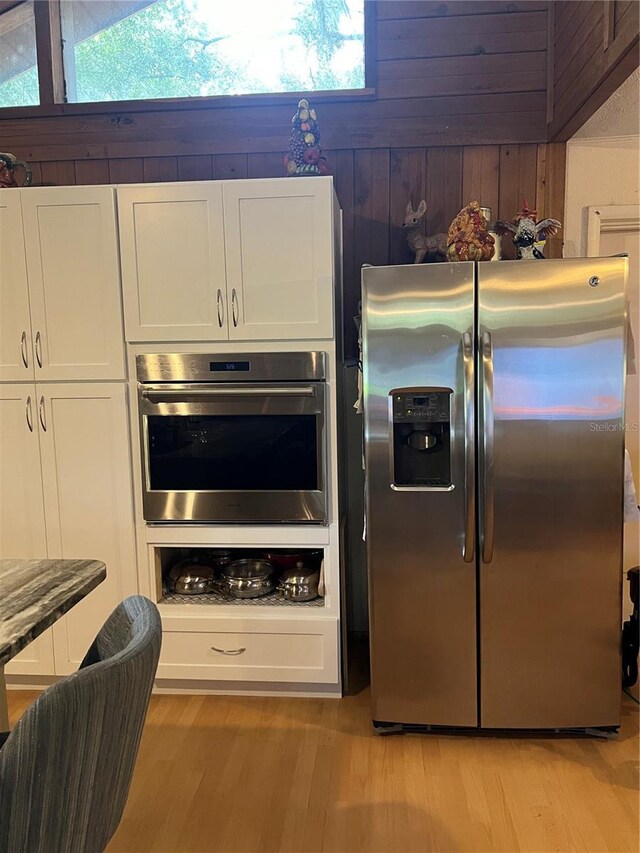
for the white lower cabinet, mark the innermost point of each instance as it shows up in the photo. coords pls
(66, 466)
(259, 650)
(266, 644)
(22, 524)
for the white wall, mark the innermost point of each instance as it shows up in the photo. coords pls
(603, 168)
(600, 171)
(603, 163)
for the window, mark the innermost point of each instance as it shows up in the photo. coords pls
(96, 51)
(18, 70)
(121, 50)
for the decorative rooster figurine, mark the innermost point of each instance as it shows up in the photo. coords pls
(525, 232)
(468, 238)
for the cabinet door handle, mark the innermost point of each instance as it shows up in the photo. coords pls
(42, 414)
(220, 305)
(29, 414)
(39, 349)
(234, 306)
(228, 651)
(23, 349)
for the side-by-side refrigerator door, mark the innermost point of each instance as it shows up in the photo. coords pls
(418, 326)
(551, 341)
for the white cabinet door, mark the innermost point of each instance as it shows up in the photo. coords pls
(74, 282)
(86, 473)
(279, 248)
(173, 272)
(22, 524)
(16, 362)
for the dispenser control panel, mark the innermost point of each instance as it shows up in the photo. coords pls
(421, 438)
(429, 407)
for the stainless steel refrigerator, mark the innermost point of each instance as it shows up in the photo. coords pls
(494, 445)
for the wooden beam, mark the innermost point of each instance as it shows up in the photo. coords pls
(616, 77)
(609, 22)
(7, 5)
(551, 59)
(585, 73)
(15, 16)
(370, 45)
(49, 51)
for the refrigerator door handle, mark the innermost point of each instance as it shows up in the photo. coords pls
(469, 449)
(486, 352)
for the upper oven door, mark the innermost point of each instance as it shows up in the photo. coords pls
(251, 453)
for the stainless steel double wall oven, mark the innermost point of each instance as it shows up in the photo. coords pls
(233, 438)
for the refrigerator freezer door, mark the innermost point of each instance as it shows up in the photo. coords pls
(551, 373)
(418, 363)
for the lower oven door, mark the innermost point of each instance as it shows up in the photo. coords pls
(222, 453)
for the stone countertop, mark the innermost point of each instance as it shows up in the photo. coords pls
(36, 593)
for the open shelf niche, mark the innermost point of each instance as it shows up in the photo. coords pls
(166, 557)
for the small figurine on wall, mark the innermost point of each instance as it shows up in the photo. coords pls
(8, 165)
(526, 232)
(305, 155)
(468, 238)
(435, 246)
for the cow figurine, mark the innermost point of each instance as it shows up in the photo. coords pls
(526, 232)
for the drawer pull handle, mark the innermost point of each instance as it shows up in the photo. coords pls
(228, 651)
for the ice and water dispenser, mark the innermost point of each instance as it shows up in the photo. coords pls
(422, 437)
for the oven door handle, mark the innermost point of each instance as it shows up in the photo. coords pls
(154, 395)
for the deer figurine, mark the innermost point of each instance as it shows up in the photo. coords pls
(418, 243)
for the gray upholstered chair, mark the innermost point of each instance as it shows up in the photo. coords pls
(66, 768)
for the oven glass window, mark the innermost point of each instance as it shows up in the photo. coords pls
(235, 453)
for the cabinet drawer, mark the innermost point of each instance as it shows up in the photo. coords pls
(310, 654)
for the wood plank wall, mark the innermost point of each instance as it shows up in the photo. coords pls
(373, 187)
(595, 48)
(459, 112)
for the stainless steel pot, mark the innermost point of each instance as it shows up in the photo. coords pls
(219, 557)
(290, 559)
(299, 583)
(247, 578)
(189, 577)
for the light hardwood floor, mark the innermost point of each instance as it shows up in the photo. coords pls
(218, 774)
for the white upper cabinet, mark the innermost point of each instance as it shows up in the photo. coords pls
(173, 267)
(278, 239)
(233, 260)
(16, 354)
(74, 286)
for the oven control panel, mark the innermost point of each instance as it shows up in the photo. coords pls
(236, 367)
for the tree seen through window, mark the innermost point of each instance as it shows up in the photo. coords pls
(126, 50)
